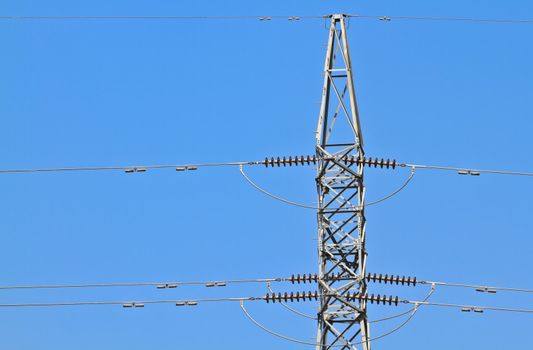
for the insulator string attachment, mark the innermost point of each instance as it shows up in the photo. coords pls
(286, 297)
(309, 296)
(391, 279)
(308, 160)
(378, 299)
(304, 278)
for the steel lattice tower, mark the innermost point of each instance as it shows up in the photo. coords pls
(342, 324)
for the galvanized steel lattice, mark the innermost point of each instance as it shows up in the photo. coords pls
(342, 321)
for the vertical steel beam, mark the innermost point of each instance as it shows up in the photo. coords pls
(342, 322)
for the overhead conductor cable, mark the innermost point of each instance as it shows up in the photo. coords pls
(159, 285)
(304, 278)
(370, 162)
(269, 18)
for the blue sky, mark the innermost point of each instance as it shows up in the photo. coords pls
(88, 93)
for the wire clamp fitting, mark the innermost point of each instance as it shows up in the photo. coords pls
(134, 170)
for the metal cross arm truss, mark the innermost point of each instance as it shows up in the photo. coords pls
(342, 322)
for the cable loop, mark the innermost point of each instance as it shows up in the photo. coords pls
(430, 293)
(290, 308)
(415, 309)
(257, 187)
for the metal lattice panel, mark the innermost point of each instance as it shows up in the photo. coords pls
(342, 323)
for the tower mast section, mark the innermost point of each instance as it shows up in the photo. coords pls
(342, 323)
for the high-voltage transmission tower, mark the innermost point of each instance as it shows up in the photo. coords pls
(342, 323)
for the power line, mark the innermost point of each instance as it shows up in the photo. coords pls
(137, 303)
(193, 302)
(129, 168)
(173, 18)
(391, 279)
(446, 19)
(196, 166)
(221, 283)
(269, 18)
(160, 285)
(346, 256)
(467, 171)
(467, 308)
(479, 288)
